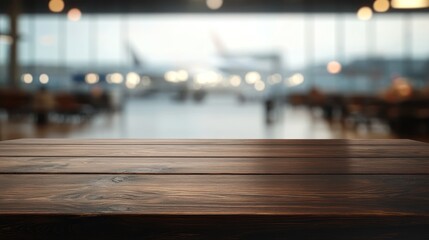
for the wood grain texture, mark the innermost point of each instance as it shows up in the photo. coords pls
(215, 151)
(54, 141)
(214, 189)
(204, 195)
(230, 166)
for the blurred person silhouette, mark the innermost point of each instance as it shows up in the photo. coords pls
(97, 97)
(271, 100)
(44, 102)
(269, 105)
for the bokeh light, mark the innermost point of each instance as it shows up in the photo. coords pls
(56, 6)
(364, 13)
(381, 5)
(44, 78)
(410, 4)
(259, 86)
(114, 78)
(182, 75)
(170, 76)
(207, 78)
(274, 79)
(74, 14)
(252, 77)
(235, 80)
(334, 67)
(91, 78)
(133, 78)
(214, 4)
(295, 80)
(27, 78)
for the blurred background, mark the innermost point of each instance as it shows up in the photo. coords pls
(214, 69)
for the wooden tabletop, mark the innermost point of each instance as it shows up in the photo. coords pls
(211, 189)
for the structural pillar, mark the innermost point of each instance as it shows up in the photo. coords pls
(13, 73)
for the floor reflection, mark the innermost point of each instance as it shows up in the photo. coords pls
(217, 117)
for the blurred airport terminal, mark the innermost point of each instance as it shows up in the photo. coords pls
(214, 69)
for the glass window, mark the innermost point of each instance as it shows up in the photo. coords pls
(179, 39)
(355, 38)
(389, 36)
(77, 41)
(4, 23)
(289, 36)
(111, 44)
(4, 44)
(420, 36)
(325, 38)
(46, 30)
(27, 41)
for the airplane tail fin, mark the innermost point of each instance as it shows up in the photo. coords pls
(133, 54)
(220, 47)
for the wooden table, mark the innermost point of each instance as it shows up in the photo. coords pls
(214, 189)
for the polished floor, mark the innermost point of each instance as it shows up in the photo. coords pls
(217, 117)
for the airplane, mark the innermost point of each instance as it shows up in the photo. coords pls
(259, 70)
(243, 73)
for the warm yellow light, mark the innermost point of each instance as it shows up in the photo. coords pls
(182, 75)
(381, 5)
(130, 85)
(252, 77)
(208, 78)
(27, 78)
(74, 14)
(91, 78)
(295, 79)
(364, 13)
(403, 87)
(115, 78)
(405, 90)
(133, 78)
(235, 80)
(170, 76)
(44, 78)
(259, 86)
(56, 6)
(410, 4)
(334, 67)
(214, 4)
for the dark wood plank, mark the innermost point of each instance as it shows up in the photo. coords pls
(214, 227)
(50, 141)
(347, 195)
(214, 189)
(118, 165)
(215, 150)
